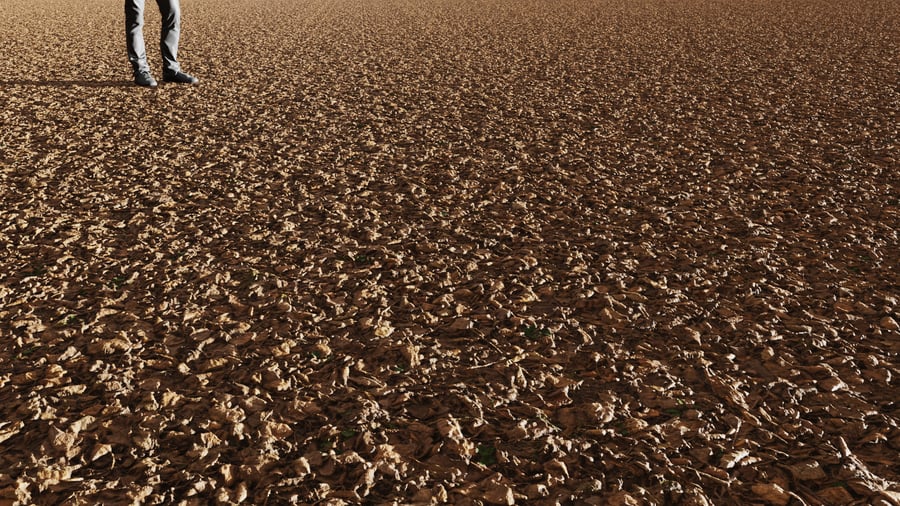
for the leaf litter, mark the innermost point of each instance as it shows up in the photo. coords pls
(475, 252)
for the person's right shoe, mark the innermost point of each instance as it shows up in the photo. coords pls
(144, 78)
(179, 77)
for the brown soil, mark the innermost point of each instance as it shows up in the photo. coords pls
(464, 251)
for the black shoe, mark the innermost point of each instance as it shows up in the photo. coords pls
(143, 78)
(179, 77)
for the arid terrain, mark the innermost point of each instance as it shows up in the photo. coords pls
(608, 252)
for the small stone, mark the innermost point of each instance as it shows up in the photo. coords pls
(832, 384)
(807, 471)
(889, 323)
(461, 324)
(499, 494)
(772, 493)
(536, 491)
(622, 499)
(835, 496)
(384, 329)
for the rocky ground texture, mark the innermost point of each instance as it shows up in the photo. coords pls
(462, 251)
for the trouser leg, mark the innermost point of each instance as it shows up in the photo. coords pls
(134, 34)
(170, 11)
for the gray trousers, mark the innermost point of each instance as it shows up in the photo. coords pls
(168, 41)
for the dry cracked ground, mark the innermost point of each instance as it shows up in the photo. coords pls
(452, 251)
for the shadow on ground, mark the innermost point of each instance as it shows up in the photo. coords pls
(53, 83)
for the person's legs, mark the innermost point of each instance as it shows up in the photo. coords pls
(168, 43)
(134, 35)
(171, 32)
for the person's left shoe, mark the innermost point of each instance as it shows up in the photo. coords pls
(179, 77)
